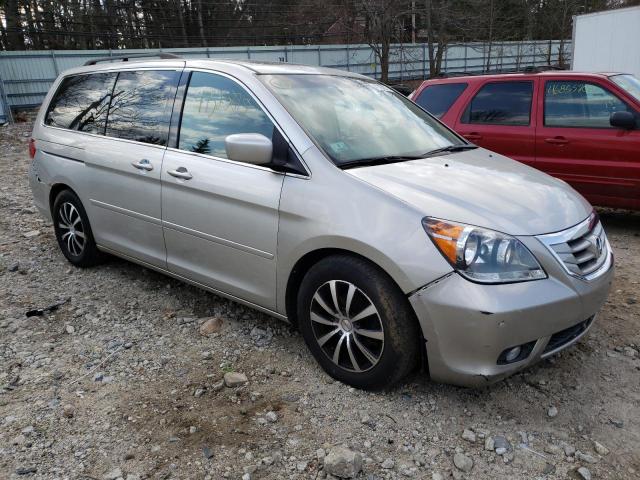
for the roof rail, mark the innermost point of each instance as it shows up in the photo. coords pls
(125, 58)
(542, 68)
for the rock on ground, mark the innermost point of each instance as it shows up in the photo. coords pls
(343, 462)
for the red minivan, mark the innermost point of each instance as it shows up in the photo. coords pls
(581, 127)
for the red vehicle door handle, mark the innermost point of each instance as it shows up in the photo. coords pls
(557, 140)
(473, 136)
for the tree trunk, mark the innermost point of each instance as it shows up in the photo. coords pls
(384, 61)
(490, 42)
(15, 36)
(183, 29)
(203, 40)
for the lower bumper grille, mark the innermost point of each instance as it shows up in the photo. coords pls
(567, 335)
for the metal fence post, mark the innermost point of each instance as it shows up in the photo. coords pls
(424, 60)
(55, 62)
(348, 59)
(5, 102)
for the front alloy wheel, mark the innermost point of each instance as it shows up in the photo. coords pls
(357, 323)
(347, 326)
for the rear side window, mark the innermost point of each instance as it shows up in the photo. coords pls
(501, 103)
(216, 106)
(141, 106)
(579, 104)
(437, 99)
(81, 103)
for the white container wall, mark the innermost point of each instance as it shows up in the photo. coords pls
(607, 41)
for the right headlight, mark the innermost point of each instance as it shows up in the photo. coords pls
(483, 255)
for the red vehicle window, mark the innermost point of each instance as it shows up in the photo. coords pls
(572, 104)
(501, 103)
(437, 99)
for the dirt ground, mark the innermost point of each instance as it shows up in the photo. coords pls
(119, 383)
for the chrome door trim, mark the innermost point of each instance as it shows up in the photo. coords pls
(193, 282)
(124, 211)
(218, 240)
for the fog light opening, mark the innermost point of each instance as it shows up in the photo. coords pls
(513, 354)
(516, 354)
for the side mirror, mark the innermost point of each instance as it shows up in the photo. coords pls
(626, 120)
(253, 148)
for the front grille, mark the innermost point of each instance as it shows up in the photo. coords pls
(567, 335)
(582, 250)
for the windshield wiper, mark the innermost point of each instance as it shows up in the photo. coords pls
(369, 162)
(459, 147)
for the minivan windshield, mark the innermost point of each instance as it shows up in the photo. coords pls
(629, 83)
(361, 122)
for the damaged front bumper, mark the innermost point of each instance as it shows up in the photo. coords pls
(468, 327)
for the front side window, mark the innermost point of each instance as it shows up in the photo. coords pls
(569, 103)
(437, 99)
(501, 103)
(215, 107)
(81, 103)
(141, 106)
(356, 120)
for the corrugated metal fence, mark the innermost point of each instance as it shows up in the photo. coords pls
(25, 76)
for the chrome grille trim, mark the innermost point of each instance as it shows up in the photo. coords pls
(582, 250)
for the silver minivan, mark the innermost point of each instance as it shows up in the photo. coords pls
(323, 198)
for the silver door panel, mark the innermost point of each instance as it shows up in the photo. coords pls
(221, 224)
(124, 200)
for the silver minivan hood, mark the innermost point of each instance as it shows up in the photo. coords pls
(481, 188)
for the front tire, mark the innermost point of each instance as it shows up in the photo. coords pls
(73, 231)
(357, 323)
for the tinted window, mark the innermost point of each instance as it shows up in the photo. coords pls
(216, 106)
(437, 99)
(141, 106)
(501, 103)
(81, 103)
(579, 104)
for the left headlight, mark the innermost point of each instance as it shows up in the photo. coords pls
(483, 255)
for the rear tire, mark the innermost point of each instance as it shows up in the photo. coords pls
(73, 231)
(357, 323)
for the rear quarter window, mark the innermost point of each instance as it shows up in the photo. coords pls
(437, 99)
(81, 103)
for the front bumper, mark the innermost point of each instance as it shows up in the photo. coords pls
(467, 325)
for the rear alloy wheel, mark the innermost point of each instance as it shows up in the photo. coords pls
(357, 323)
(73, 231)
(70, 223)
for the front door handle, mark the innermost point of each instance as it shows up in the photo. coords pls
(557, 140)
(143, 164)
(473, 136)
(180, 172)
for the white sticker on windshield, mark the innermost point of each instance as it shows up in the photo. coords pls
(339, 147)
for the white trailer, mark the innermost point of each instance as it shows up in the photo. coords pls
(607, 41)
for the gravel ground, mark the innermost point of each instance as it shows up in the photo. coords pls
(119, 382)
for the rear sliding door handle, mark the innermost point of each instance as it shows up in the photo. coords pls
(143, 164)
(180, 172)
